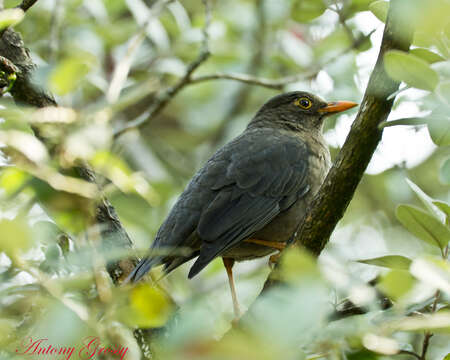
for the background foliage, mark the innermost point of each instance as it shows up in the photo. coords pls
(113, 62)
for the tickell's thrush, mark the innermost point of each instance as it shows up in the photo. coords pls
(248, 199)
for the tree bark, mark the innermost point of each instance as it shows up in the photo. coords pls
(15, 57)
(339, 186)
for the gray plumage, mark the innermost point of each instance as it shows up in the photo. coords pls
(258, 185)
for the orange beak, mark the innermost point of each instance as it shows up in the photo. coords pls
(337, 106)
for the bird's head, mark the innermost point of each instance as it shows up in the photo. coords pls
(297, 110)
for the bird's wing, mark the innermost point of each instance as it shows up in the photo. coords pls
(237, 192)
(264, 175)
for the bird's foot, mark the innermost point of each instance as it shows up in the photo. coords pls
(273, 260)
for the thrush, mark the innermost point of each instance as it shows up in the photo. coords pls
(247, 200)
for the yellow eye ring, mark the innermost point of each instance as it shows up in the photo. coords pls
(303, 102)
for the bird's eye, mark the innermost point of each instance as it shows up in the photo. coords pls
(304, 103)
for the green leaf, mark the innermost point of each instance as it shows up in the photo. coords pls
(427, 55)
(15, 237)
(67, 76)
(390, 261)
(297, 264)
(404, 121)
(443, 206)
(443, 91)
(10, 17)
(439, 129)
(396, 283)
(427, 201)
(307, 10)
(380, 9)
(410, 69)
(423, 225)
(444, 174)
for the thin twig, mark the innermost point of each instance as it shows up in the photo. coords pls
(277, 84)
(55, 23)
(26, 4)
(187, 79)
(428, 334)
(241, 95)
(406, 352)
(342, 21)
(122, 69)
(162, 100)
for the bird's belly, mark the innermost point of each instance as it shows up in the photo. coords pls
(283, 226)
(279, 229)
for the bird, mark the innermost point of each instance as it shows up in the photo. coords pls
(248, 198)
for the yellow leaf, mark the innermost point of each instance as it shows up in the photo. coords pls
(148, 307)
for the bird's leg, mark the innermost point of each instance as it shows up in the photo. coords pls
(228, 263)
(280, 246)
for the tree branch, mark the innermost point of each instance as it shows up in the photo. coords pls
(187, 79)
(163, 99)
(25, 91)
(337, 190)
(26, 4)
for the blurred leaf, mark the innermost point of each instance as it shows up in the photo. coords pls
(121, 175)
(432, 271)
(149, 307)
(443, 206)
(413, 121)
(396, 283)
(447, 357)
(15, 237)
(444, 174)
(306, 10)
(51, 263)
(439, 129)
(333, 43)
(15, 118)
(427, 55)
(53, 114)
(362, 355)
(10, 17)
(423, 225)
(380, 9)
(132, 208)
(297, 264)
(427, 201)
(12, 179)
(7, 329)
(390, 261)
(381, 344)
(359, 5)
(46, 232)
(26, 144)
(410, 69)
(69, 73)
(443, 91)
(437, 322)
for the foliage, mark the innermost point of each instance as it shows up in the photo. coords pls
(112, 63)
